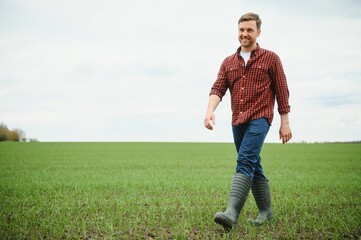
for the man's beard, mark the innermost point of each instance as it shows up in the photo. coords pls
(246, 42)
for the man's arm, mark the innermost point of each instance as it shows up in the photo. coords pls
(285, 129)
(279, 84)
(210, 118)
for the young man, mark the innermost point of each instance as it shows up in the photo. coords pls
(255, 79)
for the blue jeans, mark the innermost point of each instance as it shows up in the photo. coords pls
(249, 139)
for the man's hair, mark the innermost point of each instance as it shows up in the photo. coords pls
(251, 16)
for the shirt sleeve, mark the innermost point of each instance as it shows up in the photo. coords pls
(220, 86)
(279, 84)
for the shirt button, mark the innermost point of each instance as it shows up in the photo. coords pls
(244, 76)
(242, 88)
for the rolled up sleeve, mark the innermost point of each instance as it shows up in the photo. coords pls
(280, 87)
(220, 86)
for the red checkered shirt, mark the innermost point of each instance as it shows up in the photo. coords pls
(253, 87)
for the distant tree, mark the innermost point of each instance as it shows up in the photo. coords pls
(20, 134)
(4, 134)
(12, 136)
(15, 134)
(3, 126)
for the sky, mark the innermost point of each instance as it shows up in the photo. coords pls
(115, 70)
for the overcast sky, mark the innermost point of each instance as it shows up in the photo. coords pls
(115, 70)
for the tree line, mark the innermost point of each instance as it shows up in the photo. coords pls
(16, 134)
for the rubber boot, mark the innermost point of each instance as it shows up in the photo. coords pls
(261, 192)
(240, 188)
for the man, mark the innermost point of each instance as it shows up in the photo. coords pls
(255, 79)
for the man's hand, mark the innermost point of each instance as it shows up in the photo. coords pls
(209, 120)
(285, 129)
(285, 133)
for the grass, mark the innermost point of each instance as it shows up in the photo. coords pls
(172, 191)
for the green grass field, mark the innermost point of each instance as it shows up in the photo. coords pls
(173, 190)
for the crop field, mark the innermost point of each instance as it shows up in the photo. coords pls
(173, 190)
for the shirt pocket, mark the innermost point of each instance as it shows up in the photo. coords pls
(260, 72)
(233, 74)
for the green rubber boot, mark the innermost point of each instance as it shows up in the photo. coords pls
(261, 192)
(240, 188)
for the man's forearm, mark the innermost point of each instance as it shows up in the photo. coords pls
(213, 103)
(285, 119)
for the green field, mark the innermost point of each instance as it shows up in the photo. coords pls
(173, 190)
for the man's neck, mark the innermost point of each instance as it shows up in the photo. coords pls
(249, 49)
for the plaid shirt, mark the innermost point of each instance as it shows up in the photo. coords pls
(253, 87)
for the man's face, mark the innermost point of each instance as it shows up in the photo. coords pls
(248, 34)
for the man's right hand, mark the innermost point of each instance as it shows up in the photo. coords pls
(209, 120)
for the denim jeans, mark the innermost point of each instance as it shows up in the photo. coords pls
(249, 139)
